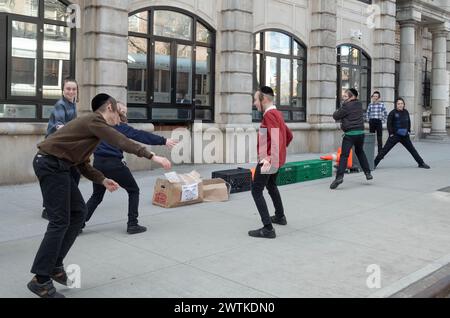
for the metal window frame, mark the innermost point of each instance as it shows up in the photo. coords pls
(264, 54)
(357, 66)
(150, 105)
(5, 61)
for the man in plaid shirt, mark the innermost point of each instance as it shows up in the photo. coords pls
(376, 115)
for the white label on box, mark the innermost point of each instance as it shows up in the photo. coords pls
(189, 192)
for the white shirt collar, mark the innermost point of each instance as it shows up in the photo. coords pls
(270, 108)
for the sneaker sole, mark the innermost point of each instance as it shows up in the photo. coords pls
(56, 295)
(132, 233)
(336, 186)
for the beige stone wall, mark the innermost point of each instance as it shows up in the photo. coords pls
(352, 16)
(19, 142)
(101, 64)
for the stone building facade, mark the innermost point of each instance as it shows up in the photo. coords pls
(195, 63)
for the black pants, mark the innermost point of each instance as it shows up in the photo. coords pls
(260, 182)
(405, 141)
(347, 145)
(115, 169)
(66, 212)
(76, 177)
(376, 126)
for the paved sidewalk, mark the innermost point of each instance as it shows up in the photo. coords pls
(399, 222)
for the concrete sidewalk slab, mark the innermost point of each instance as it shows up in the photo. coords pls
(399, 222)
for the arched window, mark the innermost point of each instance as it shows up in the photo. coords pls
(37, 52)
(280, 62)
(354, 71)
(170, 66)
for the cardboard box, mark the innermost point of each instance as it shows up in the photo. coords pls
(178, 190)
(216, 190)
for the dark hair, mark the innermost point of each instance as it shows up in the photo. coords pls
(353, 92)
(399, 99)
(72, 80)
(265, 90)
(101, 100)
(376, 92)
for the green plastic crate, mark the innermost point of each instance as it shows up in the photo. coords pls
(321, 169)
(287, 175)
(302, 171)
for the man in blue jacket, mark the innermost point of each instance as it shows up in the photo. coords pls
(109, 160)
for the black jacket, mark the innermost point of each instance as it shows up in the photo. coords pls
(351, 115)
(403, 118)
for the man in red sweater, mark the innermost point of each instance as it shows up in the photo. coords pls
(273, 139)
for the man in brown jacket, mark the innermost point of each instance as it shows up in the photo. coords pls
(72, 146)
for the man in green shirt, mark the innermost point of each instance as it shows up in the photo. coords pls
(351, 115)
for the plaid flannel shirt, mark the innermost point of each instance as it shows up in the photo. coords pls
(376, 111)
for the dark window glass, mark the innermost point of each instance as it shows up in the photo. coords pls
(137, 70)
(203, 77)
(281, 65)
(36, 57)
(11, 111)
(353, 72)
(172, 24)
(177, 82)
(22, 7)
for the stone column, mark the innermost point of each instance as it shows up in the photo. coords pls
(236, 61)
(439, 81)
(322, 75)
(103, 51)
(384, 57)
(448, 67)
(407, 85)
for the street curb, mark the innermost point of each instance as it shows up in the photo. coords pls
(441, 289)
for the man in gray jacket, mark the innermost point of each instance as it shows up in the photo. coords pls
(351, 115)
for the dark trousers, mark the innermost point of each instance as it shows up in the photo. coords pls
(66, 212)
(76, 177)
(376, 126)
(405, 141)
(115, 169)
(347, 145)
(260, 182)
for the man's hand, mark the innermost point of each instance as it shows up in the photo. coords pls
(58, 127)
(110, 185)
(171, 143)
(266, 165)
(164, 162)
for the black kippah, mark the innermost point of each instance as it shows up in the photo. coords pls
(99, 100)
(354, 92)
(266, 90)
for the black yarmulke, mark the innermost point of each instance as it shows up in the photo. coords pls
(267, 91)
(354, 92)
(99, 100)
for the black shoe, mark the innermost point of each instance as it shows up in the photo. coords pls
(336, 183)
(59, 275)
(279, 220)
(45, 290)
(369, 176)
(136, 229)
(263, 233)
(44, 214)
(424, 166)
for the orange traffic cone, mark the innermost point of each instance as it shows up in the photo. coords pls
(332, 157)
(349, 161)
